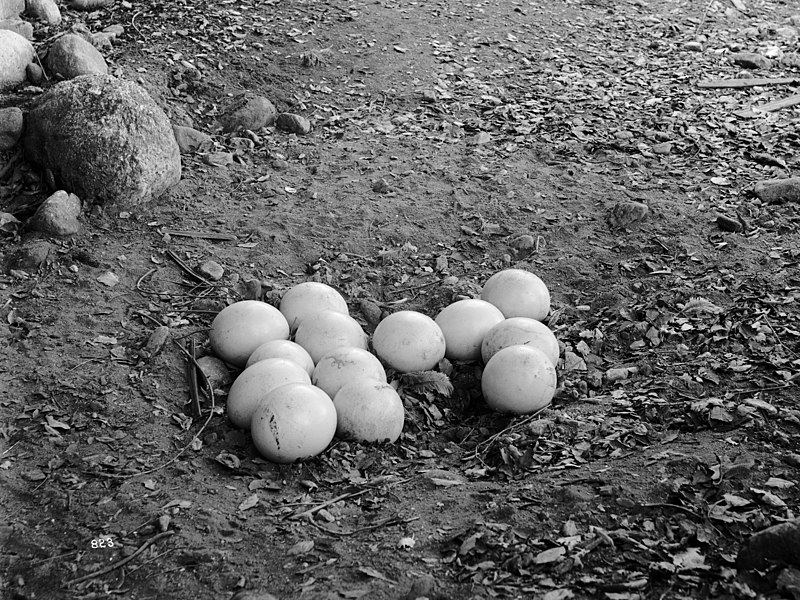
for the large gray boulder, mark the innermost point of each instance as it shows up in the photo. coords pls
(15, 54)
(10, 9)
(103, 139)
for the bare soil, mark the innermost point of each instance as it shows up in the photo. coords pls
(451, 139)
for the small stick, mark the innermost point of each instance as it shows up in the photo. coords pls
(384, 523)
(208, 235)
(121, 562)
(187, 268)
(310, 512)
(191, 372)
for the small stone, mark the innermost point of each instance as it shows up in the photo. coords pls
(381, 186)
(428, 96)
(292, 123)
(370, 310)
(744, 74)
(89, 4)
(218, 159)
(791, 59)
(211, 270)
(29, 258)
(728, 224)
(215, 371)
(693, 46)
(34, 73)
(156, 340)
(779, 543)
(750, 60)
(191, 140)
(58, 215)
(247, 112)
(11, 9)
(778, 190)
(280, 164)
(663, 148)
(44, 10)
(17, 52)
(23, 28)
(71, 56)
(11, 124)
(623, 135)
(250, 289)
(523, 243)
(422, 587)
(250, 595)
(625, 214)
(789, 582)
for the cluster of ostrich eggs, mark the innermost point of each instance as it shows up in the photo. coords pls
(309, 375)
(296, 395)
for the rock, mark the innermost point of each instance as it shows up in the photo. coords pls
(422, 587)
(791, 59)
(750, 60)
(292, 123)
(215, 371)
(11, 123)
(381, 186)
(34, 73)
(789, 582)
(19, 26)
(728, 224)
(190, 140)
(58, 215)
(11, 9)
(71, 56)
(370, 310)
(103, 139)
(15, 54)
(625, 214)
(30, 257)
(211, 270)
(778, 190)
(779, 543)
(663, 148)
(156, 341)
(248, 112)
(523, 243)
(44, 10)
(89, 4)
(250, 595)
(693, 46)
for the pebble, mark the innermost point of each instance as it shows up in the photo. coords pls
(23, 28)
(71, 56)
(662, 148)
(30, 257)
(17, 53)
(279, 164)
(156, 341)
(422, 587)
(191, 140)
(728, 224)
(211, 270)
(248, 112)
(89, 4)
(428, 96)
(58, 215)
(293, 123)
(381, 186)
(523, 242)
(778, 190)
(251, 595)
(370, 310)
(11, 8)
(215, 371)
(750, 60)
(624, 214)
(11, 124)
(34, 73)
(44, 10)
(693, 46)
(779, 543)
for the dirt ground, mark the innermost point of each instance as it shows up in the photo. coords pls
(450, 139)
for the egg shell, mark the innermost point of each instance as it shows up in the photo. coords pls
(308, 298)
(321, 332)
(464, 325)
(520, 331)
(518, 293)
(369, 411)
(409, 341)
(242, 327)
(256, 382)
(518, 380)
(294, 421)
(282, 349)
(343, 365)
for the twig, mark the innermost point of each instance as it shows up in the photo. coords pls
(703, 18)
(493, 438)
(413, 288)
(310, 512)
(743, 83)
(187, 268)
(207, 235)
(142, 278)
(191, 373)
(385, 523)
(121, 562)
